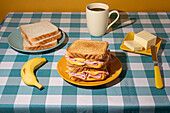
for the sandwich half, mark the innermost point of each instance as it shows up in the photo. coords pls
(87, 60)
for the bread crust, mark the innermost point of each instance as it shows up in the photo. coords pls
(44, 41)
(33, 48)
(90, 50)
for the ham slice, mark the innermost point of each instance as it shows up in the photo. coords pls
(84, 75)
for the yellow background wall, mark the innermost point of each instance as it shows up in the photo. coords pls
(79, 5)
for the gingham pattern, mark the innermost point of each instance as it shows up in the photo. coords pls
(133, 91)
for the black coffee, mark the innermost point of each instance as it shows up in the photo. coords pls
(97, 9)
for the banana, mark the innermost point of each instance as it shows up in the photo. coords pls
(27, 71)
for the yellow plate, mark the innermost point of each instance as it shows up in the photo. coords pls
(115, 69)
(130, 36)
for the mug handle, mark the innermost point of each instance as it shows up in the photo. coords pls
(111, 12)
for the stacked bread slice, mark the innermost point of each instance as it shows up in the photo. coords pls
(39, 35)
(87, 60)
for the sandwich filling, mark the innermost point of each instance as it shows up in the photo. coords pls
(82, 61)
(87, 75)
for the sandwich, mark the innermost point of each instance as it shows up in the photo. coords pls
(87, 60)
(39, 35)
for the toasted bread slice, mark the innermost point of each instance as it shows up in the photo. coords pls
(87, 49)
(43, 41)
(39, 30)
(28, 47)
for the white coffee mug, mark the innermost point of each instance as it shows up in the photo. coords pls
(97, 15)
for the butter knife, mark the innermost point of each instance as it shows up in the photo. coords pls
(158, 78)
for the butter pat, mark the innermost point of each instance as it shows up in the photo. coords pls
(131, 44)
(145, 39)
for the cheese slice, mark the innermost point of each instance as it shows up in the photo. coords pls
(95, 72)
(145, 39)
(76, 63)
(80, 59)
(94, 79)
(134, 46)
(99, 65)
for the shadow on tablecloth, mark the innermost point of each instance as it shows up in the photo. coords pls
(122, 22)
(160, 53)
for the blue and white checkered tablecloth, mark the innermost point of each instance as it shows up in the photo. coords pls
(132, 92)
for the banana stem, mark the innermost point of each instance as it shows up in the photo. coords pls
(38, 85)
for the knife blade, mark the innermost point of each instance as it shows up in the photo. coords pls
(158, 78)
(154, 55)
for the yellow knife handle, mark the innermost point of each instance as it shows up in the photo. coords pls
(158, 78)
